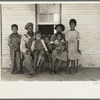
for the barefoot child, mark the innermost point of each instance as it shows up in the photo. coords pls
(59, 52)
(72, 42)
(38, 47)
(14, 44)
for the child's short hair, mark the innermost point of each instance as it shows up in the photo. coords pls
(73, 21)
(14, 25)
(60, 25)
(60, 35)
(37, 32)
(46, 37)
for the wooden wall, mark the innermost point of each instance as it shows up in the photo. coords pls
(88, 18)
(14, 14)
(0, 37)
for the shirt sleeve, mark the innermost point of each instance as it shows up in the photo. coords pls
(52, 39)
(62, 41)
(9, 41)
(22, 45)
(66, 36)
(44, 45)
(56, 42)
(78, 36)
(33, 47)
(63, 36)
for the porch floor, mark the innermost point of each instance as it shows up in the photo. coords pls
(84, 74)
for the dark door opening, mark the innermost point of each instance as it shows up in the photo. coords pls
(46, 30)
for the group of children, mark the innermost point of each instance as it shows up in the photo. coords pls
(60, 47)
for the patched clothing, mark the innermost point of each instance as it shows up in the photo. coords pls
(38, 47)
(60, 46)
(14, 44)
(26, 42)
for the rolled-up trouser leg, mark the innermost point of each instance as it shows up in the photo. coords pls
(28, 63)
(18, 61)
(13, 58)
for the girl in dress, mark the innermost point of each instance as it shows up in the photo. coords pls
(72, 41)
(59, 52)
(38, 48)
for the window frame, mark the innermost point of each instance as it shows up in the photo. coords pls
(49, 23)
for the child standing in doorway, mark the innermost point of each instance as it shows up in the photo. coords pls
(72, 42)
(14, 44)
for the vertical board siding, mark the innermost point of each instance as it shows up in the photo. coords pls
(87, 16)
(88, 19)
(0, 35)
(18, 14)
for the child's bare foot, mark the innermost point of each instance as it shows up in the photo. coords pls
(76, 70)
(72, 70)
(38, 69)
(12, 72)
(52, 72)
(50, 66)
(16, 72)
(57, 72)
(21, 72)
(31, 75)
(67, 70)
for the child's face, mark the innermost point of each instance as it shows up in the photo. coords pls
(46, 39)
(38, 36)
(14, 29)
(30, 29)
(59, 37)
(59, 29)
(72, 26)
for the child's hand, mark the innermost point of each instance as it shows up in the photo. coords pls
(34, 50)
(15, 49)
(58, 51)
(47, 52)
(79, 51)
(53, 46)
(27, 52)
(58, 48)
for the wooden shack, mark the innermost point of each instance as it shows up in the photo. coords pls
(46, 16)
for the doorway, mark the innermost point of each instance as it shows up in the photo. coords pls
(47, 16)
(46, 30)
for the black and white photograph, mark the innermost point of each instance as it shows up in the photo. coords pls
(50, 41)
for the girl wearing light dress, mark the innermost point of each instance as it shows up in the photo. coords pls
(72, 42)
(59, 52)
(59, 30)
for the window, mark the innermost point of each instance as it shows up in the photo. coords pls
(48, 13)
